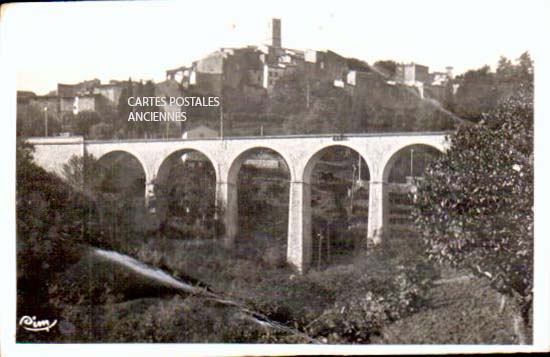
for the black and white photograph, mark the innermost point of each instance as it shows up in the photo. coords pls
(274, 177)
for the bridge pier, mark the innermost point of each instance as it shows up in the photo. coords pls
(378, 211)
(299, 226)
(226, 202)
(150, 206)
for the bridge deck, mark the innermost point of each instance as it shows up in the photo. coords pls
(335, 136)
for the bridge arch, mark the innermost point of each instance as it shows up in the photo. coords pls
(122, 181)
(390, 160)
(180, 152)
(300, 240)
(128, 153)
(184, 191)
(314, 159)
(392, 192)
(228, 195)
(239, 159)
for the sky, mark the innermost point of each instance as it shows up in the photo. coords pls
(70, 42)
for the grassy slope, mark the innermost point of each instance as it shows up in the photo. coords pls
(459, 311)
(464, 311)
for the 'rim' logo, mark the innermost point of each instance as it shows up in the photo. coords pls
(31, 324)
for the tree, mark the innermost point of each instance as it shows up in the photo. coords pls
(482, 74)
(121, 125)
(477, 93)
(152, 129)
(101, 131)
(49, 232)
(505, 68)
(113, 207)
(83, 121)
(519, 73)
(474, 208)
(187, 196)
(389, 67)
(83, 174)
(525, 66)
(289, 95)
(30, 121)
(144, 129)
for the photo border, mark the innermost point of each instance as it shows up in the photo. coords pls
(541, 312)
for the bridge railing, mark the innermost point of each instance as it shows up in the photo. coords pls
(334, 136)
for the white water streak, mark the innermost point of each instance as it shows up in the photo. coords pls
(165, 278)
(145, 270)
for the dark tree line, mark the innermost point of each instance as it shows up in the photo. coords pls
(480, 90)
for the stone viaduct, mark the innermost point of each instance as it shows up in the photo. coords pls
(300, 152)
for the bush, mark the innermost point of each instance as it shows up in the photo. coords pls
(369, 305)
(50, 224)
(50, 228)
(178, 319)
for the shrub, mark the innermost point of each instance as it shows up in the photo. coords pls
(371, 303)
(177, 319)
(50, 218)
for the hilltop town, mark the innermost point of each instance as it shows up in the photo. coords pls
(266, 89)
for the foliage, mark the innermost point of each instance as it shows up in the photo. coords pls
(176, 319)
(50, 222)
(117, 204)
(395, 277)
(121, 126)
(370, 304)
(101, 131)
(185, 203)
(481, 90)
(82, 173)
(482, 73)
(389, 67)
(521, 72)
(186, 200)
(329, 111)
(122, 107)
(83, 121)
(459, 310)
(30, 121)
(381, 287)
(289, 94)
(474, 207)
(49, 218)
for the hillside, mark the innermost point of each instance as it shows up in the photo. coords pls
(295, 106)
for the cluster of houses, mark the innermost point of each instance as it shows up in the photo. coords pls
(261, 66)
(252, 69)
(74, 98)
(419, 76)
